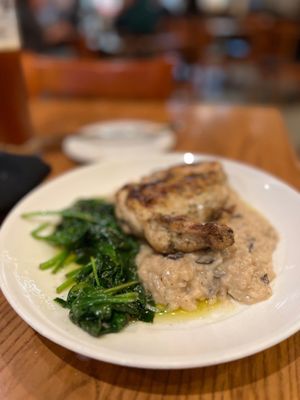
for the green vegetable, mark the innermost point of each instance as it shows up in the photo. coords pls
(105, 293)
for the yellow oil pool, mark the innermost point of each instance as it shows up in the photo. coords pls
(204, 308)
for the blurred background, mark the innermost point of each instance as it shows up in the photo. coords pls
(222, 51)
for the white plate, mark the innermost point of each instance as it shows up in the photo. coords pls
(222, 336)
(116, 138)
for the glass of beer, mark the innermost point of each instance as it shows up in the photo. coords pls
(15, 126)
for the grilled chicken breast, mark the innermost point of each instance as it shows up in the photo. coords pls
(177, 209)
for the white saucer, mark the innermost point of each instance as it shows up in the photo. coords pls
(116, 138)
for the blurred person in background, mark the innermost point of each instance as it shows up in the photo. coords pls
(47, 25)
(57, 18)
(96, 24)
(104, 22)
(139, 17)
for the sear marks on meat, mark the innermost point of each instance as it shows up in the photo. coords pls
(179, 233)
(177, 209)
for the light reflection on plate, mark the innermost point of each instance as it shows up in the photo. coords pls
(179, 344)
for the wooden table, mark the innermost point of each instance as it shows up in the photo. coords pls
(32, 367)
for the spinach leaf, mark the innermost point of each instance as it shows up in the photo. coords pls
(105, 294)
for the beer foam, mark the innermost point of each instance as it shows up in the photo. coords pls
(9, 44)
(9, 33)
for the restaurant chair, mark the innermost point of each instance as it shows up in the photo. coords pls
(118, 78)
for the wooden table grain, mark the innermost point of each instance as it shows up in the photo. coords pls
(33, 368)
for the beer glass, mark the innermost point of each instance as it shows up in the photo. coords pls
(15, 126)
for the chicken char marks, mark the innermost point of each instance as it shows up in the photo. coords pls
(178, 209)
